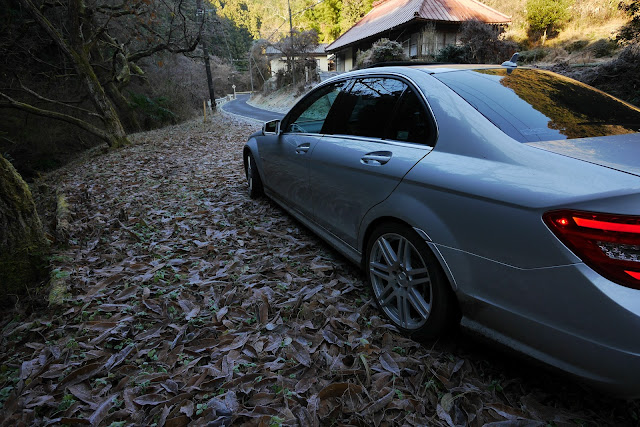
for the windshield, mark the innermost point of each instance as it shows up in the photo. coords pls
(535, 105)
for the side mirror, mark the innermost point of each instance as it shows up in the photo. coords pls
(271, 128)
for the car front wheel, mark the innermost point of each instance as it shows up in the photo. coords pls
(407, 282)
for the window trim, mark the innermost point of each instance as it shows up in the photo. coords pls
(349, 80)
(287, 119)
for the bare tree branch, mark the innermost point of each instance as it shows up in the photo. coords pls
(53, 101)
(163, 46)
(116, 134)
(12, 103)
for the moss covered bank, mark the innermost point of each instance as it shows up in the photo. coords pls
(22, 244)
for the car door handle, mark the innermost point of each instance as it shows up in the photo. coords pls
(377, 158)
(303, 148)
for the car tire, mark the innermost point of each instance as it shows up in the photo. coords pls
(407, 282)
(254, 182)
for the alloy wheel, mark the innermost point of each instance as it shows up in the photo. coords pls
(400, 280)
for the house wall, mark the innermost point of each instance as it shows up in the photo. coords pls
(344, 59)
(323, 63)
(424, 42)
(421, 40)
(278, 64)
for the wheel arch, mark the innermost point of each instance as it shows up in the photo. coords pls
(251, 147)
(245, 153)
(448, 319)
(444, 266)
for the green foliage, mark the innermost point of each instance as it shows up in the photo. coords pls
(265, 20)
(384, 50)
(67, 401)
(154, 110)
(533, 55)
(481, 43)
(23, 248)
(275, 421)
(456, 54)
(5, 392)
(228, 40)
(200, 408)
(544, 16)
(324, 19)
(352, 11)
(630, 33)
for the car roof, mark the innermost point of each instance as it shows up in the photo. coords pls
(436, 68)
(431, 68)
(444, 68)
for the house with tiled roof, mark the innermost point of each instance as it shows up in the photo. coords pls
(422, 26)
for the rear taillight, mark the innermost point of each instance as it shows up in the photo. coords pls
(609, 244)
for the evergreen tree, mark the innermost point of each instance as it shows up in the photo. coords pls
(546, 16)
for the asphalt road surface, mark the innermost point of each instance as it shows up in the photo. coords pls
(240, 107)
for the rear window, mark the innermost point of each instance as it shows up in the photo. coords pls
(536, 105)
(366, 109)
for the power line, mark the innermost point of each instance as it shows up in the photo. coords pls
(295, 14)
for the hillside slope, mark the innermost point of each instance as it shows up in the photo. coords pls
(590, 19)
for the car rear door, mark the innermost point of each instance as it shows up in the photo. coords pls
(376, 132)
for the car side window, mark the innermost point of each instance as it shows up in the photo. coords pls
(410, 122)
(367, 108)
(310, 115)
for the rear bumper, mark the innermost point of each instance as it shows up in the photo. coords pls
(569, 317)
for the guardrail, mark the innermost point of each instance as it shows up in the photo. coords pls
(229, 97)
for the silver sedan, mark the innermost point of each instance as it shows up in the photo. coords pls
(503, 198)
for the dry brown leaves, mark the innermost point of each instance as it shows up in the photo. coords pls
(191, 304)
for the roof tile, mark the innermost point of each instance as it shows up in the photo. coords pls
(388, 14)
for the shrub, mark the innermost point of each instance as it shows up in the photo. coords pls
(576, 46)
(485, 43)
(626, 68)
(630, 33)
(304, 69)
(456, 54)
(603, 47)
(546, 16)
(155, 111)
(174, 82)
(384, 50)
(534, 55)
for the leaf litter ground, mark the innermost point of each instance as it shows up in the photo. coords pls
(190, 304)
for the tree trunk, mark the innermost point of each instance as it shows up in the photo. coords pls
(22, 244)
(123, 108)
(76, 52)
(125, 112)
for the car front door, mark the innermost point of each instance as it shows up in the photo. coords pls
(376, 132)
(286, 156)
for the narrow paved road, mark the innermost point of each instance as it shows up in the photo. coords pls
(240, 107)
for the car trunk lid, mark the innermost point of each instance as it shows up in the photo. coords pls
(620, 152)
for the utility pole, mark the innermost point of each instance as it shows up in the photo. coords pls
(250, 70)
(293, 58)
(207, 65)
